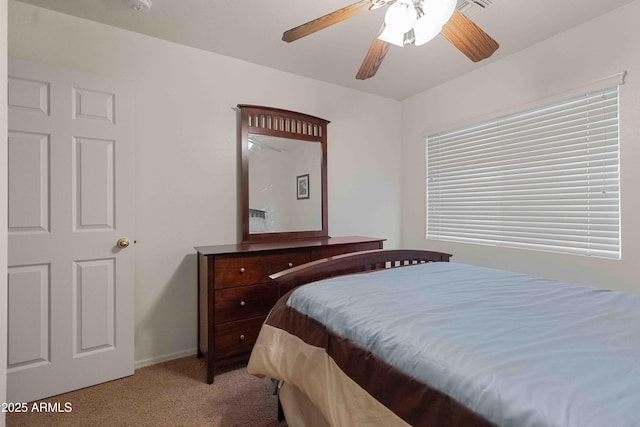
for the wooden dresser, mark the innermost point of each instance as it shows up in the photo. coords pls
(235, 292)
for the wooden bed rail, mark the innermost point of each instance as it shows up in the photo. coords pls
(356, 262)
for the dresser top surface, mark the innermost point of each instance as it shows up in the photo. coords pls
(289, 244)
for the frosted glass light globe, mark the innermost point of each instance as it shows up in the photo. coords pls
(439, 11)
(401, 16)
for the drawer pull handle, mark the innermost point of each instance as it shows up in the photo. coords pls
(290, 264)
(242, 337)
(242, 303)
(242, 270)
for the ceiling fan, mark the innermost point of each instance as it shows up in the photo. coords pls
(407, 22)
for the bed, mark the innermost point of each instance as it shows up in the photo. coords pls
(405, 338)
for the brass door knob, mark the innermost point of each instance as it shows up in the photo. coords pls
(123, 242)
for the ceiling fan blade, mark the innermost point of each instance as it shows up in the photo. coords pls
(374, 58)
(468, 37)
(326, 20)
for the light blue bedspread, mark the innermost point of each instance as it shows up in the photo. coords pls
(518, 350)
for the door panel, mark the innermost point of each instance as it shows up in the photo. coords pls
(93, 105)
(28, 316)
(70, 200)
(28, 182)
(94, 322)
(94, 172)
(29, 95)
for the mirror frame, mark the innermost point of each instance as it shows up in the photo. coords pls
(255, 119)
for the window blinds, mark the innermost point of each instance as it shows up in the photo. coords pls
(544, 179)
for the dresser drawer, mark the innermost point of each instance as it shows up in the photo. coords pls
(255, 268)
(245, 302)
(236, 338)
(327, 251)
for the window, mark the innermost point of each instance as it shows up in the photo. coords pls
(544, 179)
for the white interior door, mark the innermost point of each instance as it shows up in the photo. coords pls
(70, 200)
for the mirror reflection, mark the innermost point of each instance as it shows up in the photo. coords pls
(285, 190)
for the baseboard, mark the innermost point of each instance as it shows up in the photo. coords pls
(164, 358)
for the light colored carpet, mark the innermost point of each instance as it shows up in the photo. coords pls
(167, 394)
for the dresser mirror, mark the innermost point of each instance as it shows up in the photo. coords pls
(284, 174)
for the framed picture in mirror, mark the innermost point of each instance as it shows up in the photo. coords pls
(302, 185)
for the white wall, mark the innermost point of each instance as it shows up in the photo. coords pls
(596, 49)
(3, 207)
(187, 154)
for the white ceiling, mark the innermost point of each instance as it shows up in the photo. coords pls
(252, 31)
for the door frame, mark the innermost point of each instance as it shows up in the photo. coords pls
(4, 12)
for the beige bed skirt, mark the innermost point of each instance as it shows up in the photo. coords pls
(314, 383)
(298, 410)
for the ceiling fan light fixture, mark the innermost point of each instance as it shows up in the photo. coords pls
(425, 30)
(400, 16)
(424, 17)
(390, 36)
(439, 11)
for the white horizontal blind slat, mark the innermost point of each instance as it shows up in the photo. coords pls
(543, 179)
